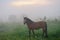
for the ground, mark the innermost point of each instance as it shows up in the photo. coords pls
(15, 31)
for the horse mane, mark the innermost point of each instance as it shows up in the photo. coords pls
(29, 20)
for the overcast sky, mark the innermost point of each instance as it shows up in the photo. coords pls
(31, 8)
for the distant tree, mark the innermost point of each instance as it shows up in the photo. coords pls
(59, 18)
(1, 20)
(12, 18)
(44, 18)
(56, 19)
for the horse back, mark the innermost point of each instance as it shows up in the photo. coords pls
(37, 25)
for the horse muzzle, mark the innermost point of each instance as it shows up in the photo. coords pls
(24, 23)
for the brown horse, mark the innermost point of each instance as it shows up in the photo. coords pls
(36, 25)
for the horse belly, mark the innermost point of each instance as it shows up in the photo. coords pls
(35, 26)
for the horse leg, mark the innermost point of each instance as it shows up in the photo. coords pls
(46, 33)
(33, 33)
(30, 34)
(43, 33)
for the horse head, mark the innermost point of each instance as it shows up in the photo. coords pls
(27, 20)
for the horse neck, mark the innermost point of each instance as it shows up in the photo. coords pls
(29, 22)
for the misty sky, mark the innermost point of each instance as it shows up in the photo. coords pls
(30, 8)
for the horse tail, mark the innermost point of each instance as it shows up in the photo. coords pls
(46, 26)
(46, 29)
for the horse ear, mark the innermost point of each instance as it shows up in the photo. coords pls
(25, 15)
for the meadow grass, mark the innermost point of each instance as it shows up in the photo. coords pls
(16, 31)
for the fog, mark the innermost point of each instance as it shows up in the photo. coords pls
(13, 11)
(33, 9)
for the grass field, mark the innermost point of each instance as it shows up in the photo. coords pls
(15, 31)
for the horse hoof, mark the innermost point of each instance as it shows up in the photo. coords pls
(46, 36)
